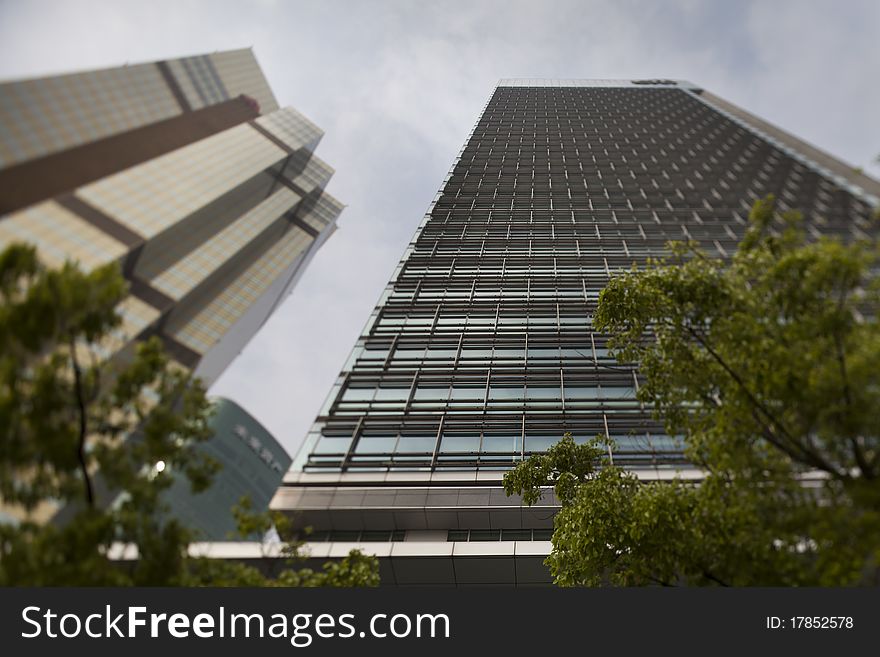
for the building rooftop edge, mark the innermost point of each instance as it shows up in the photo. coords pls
(845, 175)
(126, 64)
(597, 82)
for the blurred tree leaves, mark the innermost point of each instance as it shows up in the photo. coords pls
(70, 416)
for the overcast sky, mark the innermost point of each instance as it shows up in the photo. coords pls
(397, 86)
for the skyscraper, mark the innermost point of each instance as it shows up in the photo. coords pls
(252, 461)
(185, 171)
(480, 350)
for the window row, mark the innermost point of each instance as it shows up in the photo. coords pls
(576, 395)
(463, 443)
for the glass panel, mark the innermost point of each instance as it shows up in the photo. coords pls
(375, 445)
(431, 393)
(392, 394)
(409, 354)
(543, 392)
(469, 393)
(332, 445)
(460, 444)
(516, 534)
(505, 393)
(581, 392)
(653, 443)
(618, 392)
(501, 443)
(358, 394)
(434, 353)
(476, 354)
(540, 443)
(416, 444)
(451, 319)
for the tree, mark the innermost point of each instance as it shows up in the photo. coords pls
(768, 366)
(70, 417)
(356, 569)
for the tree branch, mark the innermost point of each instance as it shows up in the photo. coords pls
(661, 582)
(796, 450)
(96, 371)
(712, 578)
(801, 454)
(83, 424)
(861, 459)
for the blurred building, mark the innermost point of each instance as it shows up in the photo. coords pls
(207, 193)
(253, 463)
(481, 351)
(184, 171)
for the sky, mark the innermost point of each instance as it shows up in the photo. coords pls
(397, 87)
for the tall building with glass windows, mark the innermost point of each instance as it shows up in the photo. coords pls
(481, 350)
(186, 172)
(253, 463)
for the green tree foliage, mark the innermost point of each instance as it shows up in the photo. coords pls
(768, 366)
(275, 568)
(70, 418)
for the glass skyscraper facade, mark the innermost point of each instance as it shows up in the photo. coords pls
(252, 461)
(481, 349)
(186, 172)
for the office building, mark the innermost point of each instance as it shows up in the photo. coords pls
(480, 350)
(187, 173)
(252, 461)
